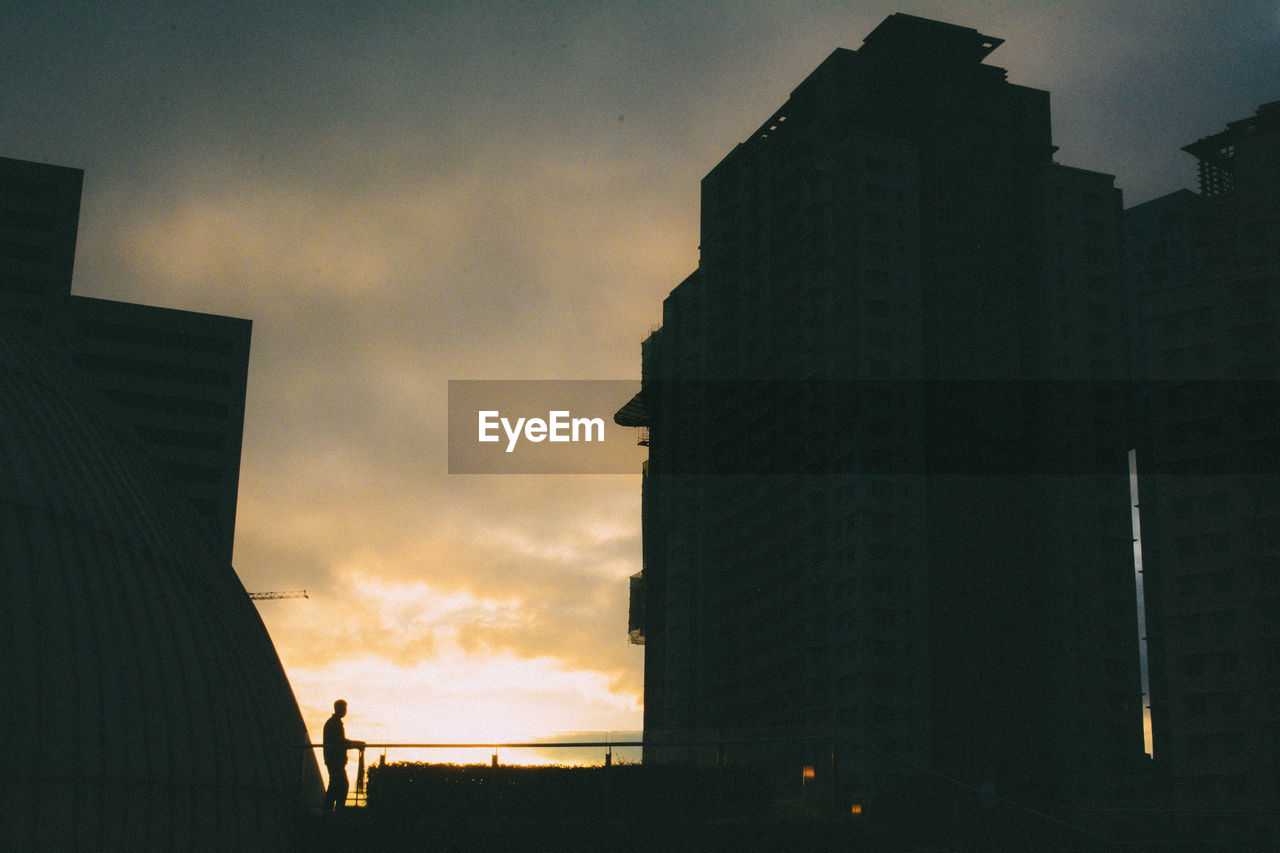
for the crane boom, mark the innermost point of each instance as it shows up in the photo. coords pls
(284, 593)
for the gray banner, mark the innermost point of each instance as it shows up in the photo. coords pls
(536, 426)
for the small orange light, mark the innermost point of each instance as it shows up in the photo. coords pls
(856, 809)
(807, 774)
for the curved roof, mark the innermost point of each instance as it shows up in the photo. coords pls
(145, 706)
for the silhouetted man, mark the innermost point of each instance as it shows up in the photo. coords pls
(335, 758)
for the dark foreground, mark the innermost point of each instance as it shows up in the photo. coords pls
(636, 808)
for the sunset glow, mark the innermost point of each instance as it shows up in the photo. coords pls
(422, 193)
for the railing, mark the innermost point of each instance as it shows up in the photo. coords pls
(356, 795)
(958, 804)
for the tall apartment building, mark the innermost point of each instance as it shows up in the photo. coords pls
(1206, 274)
(886, 506)
(177, 378)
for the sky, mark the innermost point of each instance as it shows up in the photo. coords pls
(404, 194)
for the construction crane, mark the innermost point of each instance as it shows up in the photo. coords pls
(284, 593)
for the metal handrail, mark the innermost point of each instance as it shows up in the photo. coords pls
(721, 743)
(538, 744)
(358, 795)
(833, 742)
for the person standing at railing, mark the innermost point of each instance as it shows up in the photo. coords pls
(335, 758)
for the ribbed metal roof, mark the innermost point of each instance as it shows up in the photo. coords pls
(633, 414)
(144, 706)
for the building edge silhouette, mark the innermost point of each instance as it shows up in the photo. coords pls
(809, 269)
(1205, 271)
(177, 378)
(154, 712)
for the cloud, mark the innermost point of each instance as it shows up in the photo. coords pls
(461, 698)
(425, 664)
(412, 193)
(468, 567)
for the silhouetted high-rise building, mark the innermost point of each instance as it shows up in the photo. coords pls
(154, 713)
(177, 378)
(886, 506)
(1205, 269)
(148, 709)
(39, 217)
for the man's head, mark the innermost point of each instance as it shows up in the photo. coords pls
(340, 707)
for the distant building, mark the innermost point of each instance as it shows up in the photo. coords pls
(1206, 273)
(176, 377)
(886, 506)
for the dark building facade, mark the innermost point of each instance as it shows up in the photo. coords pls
(886, 506)
(1205, 269)
(39, 217)
(177, 378)
(146, 707)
